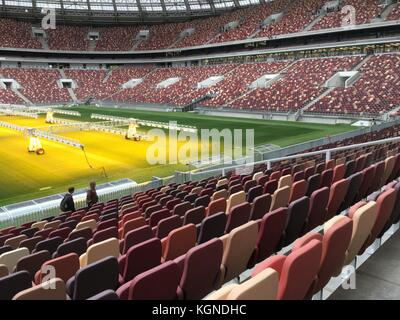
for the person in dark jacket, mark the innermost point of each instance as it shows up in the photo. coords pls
(67, 203)
(91, 195)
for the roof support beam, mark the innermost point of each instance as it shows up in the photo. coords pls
(115, 8)
(211, 3)
(237, 4)
(187, 6)
(139, 5)
(164, 9)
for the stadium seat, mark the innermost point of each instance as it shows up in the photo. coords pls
(136, 236)
(270, 234)
(178, 242)
(32, 262)
(297, 214)
(297, 271)
(363, 216)
(212, 227)
(263, 286)
(78, 246)
(159, 283)
(93, 279)
(13, 283)
(166, 225)
(216, 206)
(260, 206)
(53, 289)
(238, 248)
(238, 216)
(280, 198)
(198, 278)
(318, 209)
(100, 250)
(11, 258)
(140, 258)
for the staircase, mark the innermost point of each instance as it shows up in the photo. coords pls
(190, 106)
(70, 90)
(362, 62)
(92, 45)
(240, 96)
(72, 95)
(19, 94)
(387, 11)
(176, 42)
(314, 22)
(43, 41)
(311, 103)
(108, 75)
(136, 44)
(393, 111)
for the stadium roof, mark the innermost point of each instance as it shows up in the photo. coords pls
(95, 7)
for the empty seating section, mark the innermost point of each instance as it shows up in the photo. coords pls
(395, 14)
(374, 93)
(116, 38)
(68, 38)
(180, 92)
(89, 83)
(38, 85)
(7, 96)
(236, 83)
(166, 262)
(303, 81)
(365, 12)
(163, 36)
(17, 34)
(250, 21)
(297, 16)
(296, 85)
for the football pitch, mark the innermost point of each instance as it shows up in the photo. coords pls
(109, 157)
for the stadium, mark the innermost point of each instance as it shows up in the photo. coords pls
(199, 149)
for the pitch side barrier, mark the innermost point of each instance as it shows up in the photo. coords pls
(182, 177)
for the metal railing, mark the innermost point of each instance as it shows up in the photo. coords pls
(199, 175)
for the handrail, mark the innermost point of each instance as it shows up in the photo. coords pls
(327, 152)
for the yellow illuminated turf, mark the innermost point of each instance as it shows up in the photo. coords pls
(25, 176)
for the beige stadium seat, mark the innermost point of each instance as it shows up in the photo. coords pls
(223, 293)
(239, 245)
(15, 241)
(285, 181)
(263, 286)
(52, 224)
(100, 250)
(10, 258)
(92, 224)
(165, 189)
(280, 198)
(257, 175)
(389, 166)
(54, 289)
(222, 182)
(235, 199)
(363, 221)
(40, 225)
(196, 190)
(3, 270)
(220, 194)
